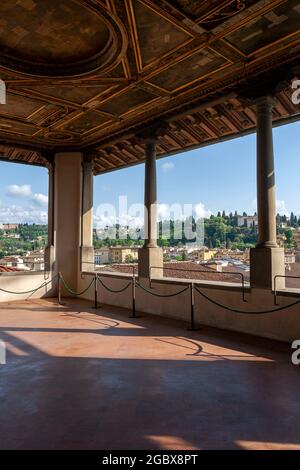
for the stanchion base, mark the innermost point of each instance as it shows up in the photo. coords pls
(195, 328)
(134, 316)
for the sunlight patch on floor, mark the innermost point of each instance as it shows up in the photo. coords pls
(171, 443)
(259, 445)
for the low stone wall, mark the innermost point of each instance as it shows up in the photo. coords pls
(22, 282)
(283, 325)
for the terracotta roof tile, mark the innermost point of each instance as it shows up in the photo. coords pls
(8, 269)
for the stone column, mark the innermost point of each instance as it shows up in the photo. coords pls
(87, 249)
(67, 216)
(150, 255)
(150, 194)
(49, 249)
(267, 259)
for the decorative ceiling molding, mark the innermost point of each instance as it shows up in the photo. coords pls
(60, 39)
(178, 61)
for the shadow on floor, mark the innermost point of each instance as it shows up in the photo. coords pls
(206, 396)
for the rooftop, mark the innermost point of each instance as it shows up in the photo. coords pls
(8, 269)
(188, 270)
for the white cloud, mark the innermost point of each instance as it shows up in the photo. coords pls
(25, 191)
(201, 212)
(168, 166)
(18, 214)
(40, 199)
(19, 191)
(281, 208)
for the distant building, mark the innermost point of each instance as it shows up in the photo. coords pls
(296, 236)
(289, 258)
(34, 260)
(247, 221)
(9, 226)
(12, 235)
(203, 254)
(102, 255)
(118, 254)
(281, 239)
(13, 262)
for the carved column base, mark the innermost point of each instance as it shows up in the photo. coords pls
(265, 264)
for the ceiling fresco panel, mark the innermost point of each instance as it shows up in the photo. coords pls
(74, 93)
(126, 101)
(16, 127)
(284, 20)
(19, 106)
(189, 70)
(156, 35)
(85, 122)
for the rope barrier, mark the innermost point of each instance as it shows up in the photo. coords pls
(246, 312)
(113, 290)
(161, 295)
(29, 291)
(72, 291)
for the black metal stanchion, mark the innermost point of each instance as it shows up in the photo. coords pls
(133, 298)
(96, 291)
(59, 287)
(192, 305)
(133, 291)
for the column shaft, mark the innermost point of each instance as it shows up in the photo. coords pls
(150, 255)
(49, 249)
(266, 199)
(266, 260)
(150, 196)
(87, 250)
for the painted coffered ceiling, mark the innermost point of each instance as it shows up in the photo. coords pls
(87, 74)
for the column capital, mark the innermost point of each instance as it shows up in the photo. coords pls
(265, 103)
(151, 134)
(49, 161)
(268, 84)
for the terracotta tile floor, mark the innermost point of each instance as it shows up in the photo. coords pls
(80, 379)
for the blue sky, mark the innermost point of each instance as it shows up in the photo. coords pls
(221, 176)
(216, 177)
